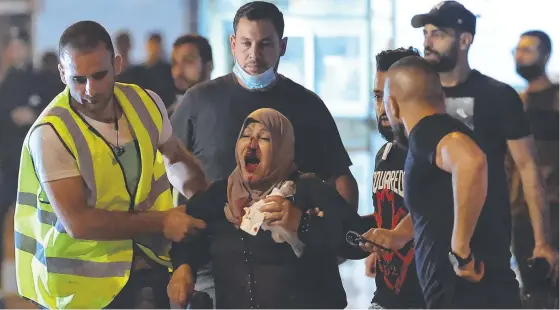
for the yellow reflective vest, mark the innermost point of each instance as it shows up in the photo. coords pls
(56, 270)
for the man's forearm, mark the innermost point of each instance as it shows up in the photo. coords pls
(536, 202)
(347, 187)
(470, 185)
(404, 231)
(394, 239)
(102, 225)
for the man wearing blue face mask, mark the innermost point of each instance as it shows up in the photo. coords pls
(210, 114)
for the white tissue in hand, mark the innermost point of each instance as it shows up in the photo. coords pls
(279, 234)
(253, 218)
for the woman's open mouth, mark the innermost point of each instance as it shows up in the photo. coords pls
(252, 160)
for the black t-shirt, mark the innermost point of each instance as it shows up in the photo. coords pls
(134, 74)
(494, 111)
(210, 116)
(542, 112)
(156, 78)
(279, 278)
(429, 198)
(396, 279)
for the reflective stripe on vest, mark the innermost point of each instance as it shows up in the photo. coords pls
(44, 216)
(142, 113)
(69, 265)
(86, 168)
(158, 187)
(58, 271)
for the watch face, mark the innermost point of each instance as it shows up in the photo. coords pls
(453, 260)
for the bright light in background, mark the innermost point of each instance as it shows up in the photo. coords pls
(499, 26)
(140, 17)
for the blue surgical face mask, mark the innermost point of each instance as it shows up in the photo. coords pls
(260, 81)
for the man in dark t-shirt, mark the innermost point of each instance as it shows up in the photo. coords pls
(396, 281)
(211, 114)
(541, 106)
(461, 257)
(492, 109)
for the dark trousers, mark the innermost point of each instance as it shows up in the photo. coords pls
(523, 243)
(487, 294)
(146, 289)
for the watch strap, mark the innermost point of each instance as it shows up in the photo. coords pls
(462, 261)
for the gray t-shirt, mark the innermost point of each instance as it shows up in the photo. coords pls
(210, 116)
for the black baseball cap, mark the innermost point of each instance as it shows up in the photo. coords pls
(448, 14)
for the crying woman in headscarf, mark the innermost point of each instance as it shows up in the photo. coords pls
(272, 233)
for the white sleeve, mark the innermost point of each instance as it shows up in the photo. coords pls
(166, 129)
(51, 158)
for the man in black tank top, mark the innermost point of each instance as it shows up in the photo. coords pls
(461, 255)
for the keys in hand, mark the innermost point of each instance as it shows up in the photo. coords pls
(380, 239)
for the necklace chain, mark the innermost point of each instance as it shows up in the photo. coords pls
(118, 149)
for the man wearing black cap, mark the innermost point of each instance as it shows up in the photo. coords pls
(494, 111)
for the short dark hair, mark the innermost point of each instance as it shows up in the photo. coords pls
(85, 35)
(122, 37)
(49, 57)
(261, 10)
(387, 58)
(204, 48)
(156, 37)
(415, 62)
(432, 90)
(545, 45)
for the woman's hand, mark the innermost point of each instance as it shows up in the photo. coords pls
(181, 286)
(282, 212)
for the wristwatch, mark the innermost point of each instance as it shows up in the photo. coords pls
(457, 261)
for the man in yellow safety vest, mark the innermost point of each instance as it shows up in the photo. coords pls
(94, 212)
